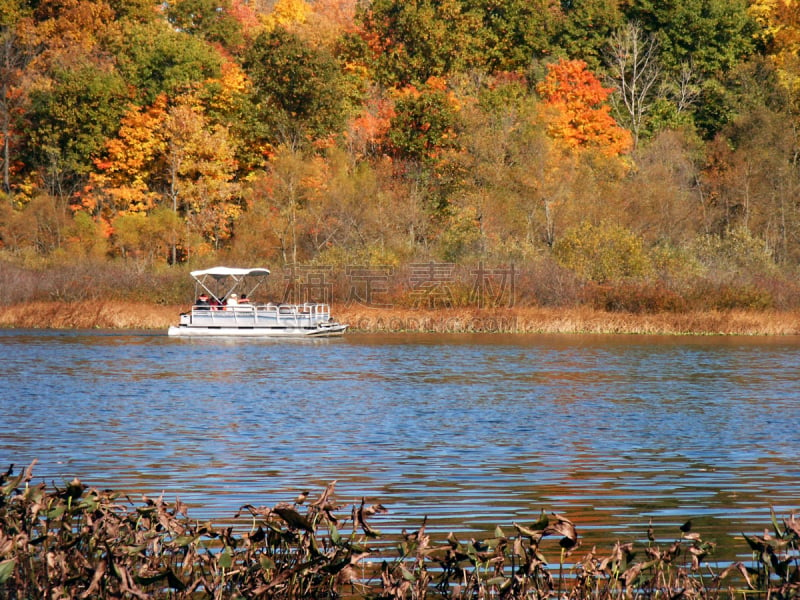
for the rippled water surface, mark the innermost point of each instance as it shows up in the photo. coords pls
(472, 431)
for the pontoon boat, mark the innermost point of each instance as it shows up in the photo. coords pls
(220, 311)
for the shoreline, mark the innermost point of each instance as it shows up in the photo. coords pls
(122, 315)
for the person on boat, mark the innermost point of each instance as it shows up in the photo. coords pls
(244, 299)
(233, 300)
(203, 303)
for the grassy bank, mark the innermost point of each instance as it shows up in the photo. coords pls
(114, 314)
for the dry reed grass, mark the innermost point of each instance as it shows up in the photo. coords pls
(114, 314)
(572, 320)
(88, 315)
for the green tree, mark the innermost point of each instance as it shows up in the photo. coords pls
(154, 58)
(71, 116)
(585, 28)
(512, 33)
(209, 19)
(423, 124)
(11, 11)
(711, 35)
(297, 91)
(150, 238)
(700, 42)
(136, 10)
(410, 42)
(84, 237)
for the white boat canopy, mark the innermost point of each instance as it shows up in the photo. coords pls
(220, 282)
(220, 272)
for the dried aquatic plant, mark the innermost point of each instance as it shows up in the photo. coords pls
(80, 542)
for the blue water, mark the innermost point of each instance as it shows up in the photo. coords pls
(470, 431)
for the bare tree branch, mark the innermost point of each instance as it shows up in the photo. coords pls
(634, 67)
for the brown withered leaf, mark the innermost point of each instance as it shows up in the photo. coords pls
(562, 526)
(99, 573)
(28, 475)
(375, 509)
(258, 535)
(630, 575)
(698, 554)
(360, 515)
(535, 534)
(673, 551)
(293, 518)
(746, 574)
(323, 499)
(756, 543)
(793, 524)
(7, 474)
(250, 508)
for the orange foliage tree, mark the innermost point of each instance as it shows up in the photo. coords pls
(368, 131)
(576, 112)
(123, 182)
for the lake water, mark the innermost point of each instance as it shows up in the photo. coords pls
(473, 431)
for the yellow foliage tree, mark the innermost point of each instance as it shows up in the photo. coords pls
(287, 14)
(328, 20)
(780, 35)
(200, 166)
(232, 84)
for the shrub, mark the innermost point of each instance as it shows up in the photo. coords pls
(733, 296)
(544, 282)
(634, 297)
(602, 253)
(94, 280)
(734, 254)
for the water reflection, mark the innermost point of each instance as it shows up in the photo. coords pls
(473, 431)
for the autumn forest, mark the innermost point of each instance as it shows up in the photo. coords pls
(631, 154)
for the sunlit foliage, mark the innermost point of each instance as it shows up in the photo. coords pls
(576, 110)
(455, 130)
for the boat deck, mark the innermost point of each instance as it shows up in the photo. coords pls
(259, 319)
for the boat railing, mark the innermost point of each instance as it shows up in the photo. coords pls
(246, 314)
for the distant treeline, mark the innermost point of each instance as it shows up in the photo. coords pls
(621, 147)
